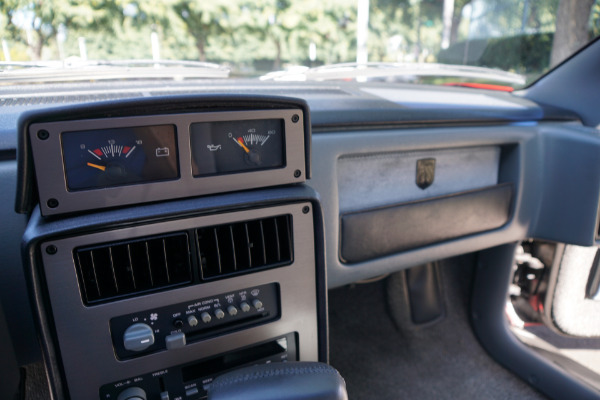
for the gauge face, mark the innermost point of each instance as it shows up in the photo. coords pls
(119, 156)
(237, 146)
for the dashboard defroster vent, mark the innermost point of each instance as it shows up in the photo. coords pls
(239, 247)
(121, 269)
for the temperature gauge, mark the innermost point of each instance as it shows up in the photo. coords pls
(237, 146)
(113, 157)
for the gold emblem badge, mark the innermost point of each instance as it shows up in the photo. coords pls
(425, 172)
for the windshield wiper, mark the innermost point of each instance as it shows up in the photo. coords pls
(364, 71)
(92, 70)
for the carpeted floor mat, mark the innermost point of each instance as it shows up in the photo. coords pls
(381, 360)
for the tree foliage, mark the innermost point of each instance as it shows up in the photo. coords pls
(38, 23)
(268, 34)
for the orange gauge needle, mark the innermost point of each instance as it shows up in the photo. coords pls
(240, 141)
(100, 167)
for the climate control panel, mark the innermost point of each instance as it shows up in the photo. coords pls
(175, 326)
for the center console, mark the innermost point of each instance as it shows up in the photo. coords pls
(155, 272)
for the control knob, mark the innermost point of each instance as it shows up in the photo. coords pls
(138, 337)
(132, 393)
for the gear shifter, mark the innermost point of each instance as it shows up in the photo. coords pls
(280, 381)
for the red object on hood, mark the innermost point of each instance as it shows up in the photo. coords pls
(486, 86)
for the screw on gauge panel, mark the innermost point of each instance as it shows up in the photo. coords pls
(295, 118)
(51, 249)
(52, 203)
(297, 173)
(43, 134)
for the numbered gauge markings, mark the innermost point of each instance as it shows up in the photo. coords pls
(102, 158)
(237, 146)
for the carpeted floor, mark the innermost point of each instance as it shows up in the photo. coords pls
(36, 383)
(381, 359)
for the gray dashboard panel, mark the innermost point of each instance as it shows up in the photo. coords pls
(373, 180)
(85, 330)
(570, 173)
(48, 160)
(524, 161)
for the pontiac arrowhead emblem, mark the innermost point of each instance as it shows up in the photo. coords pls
(425, 172)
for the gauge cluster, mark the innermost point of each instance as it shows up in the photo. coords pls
(91, 164)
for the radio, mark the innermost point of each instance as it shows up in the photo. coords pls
(175, 326)
(190, 381)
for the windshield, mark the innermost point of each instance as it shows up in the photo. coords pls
(508, 42)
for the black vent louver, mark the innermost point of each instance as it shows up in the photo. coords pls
(122, 269)
(247, 246)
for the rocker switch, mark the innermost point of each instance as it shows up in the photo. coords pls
(175, 340)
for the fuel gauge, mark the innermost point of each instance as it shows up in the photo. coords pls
(237, 146)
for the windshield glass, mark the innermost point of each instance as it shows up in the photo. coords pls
(505, 42)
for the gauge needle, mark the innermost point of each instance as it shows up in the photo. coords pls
(240, 142)
(100, 167)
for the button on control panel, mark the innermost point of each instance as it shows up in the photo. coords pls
(176, 326)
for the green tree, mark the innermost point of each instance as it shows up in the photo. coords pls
(415, 25)
(389, 24)
(270, 23)
(37, 23)
(139, 19)
(204, 20)
(330, 26)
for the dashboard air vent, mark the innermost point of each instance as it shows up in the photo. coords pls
(242, 247)
(121, 269)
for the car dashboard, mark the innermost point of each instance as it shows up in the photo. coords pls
(172, 237)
